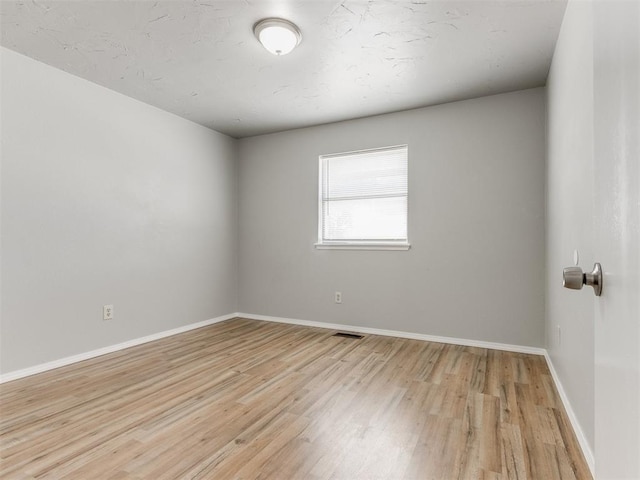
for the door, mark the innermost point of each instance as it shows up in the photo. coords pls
(617, 239)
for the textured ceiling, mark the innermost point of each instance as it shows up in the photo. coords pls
(199, 59)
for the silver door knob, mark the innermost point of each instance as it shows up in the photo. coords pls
(575, 278)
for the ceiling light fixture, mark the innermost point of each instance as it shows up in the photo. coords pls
(277, 35)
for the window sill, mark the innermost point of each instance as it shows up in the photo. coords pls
(363, 246)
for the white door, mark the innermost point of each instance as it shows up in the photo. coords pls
(616, 191)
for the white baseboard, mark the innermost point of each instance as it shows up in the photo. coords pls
(399, 334)
(577, 428)
(7, 377)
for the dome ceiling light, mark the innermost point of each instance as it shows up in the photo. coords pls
(277, 35)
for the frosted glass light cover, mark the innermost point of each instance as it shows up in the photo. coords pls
(277, 36)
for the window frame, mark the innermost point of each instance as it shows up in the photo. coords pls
(323, 244)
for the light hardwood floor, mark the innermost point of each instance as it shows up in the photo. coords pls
(250, 399)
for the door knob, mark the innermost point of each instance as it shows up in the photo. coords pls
(575, 278)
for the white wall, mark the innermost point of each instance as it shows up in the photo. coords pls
(570, 210)
(106, 200)
(476, 224)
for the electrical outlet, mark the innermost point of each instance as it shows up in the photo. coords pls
(338, 297)
(107, 312)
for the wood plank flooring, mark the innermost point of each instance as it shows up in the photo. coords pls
(245, 399)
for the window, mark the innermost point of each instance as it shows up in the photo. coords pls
(363, 200)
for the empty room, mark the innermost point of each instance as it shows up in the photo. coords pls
(320, 239)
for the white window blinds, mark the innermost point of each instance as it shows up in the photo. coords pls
(363, 196)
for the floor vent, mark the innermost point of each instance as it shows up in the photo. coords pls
(348, 335)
